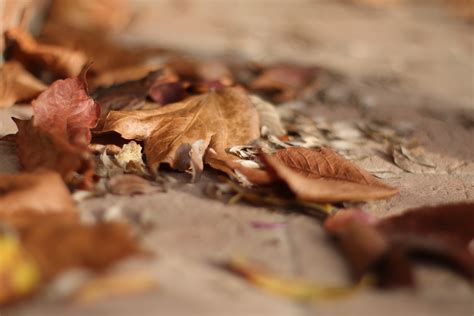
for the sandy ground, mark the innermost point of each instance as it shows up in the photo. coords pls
(411, 64)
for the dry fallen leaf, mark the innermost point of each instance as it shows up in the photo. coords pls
(40, 191)
(269, 116)
(283, 81)
(130, 95)
(37, 57)
(130, 159)
(214, 121)
(452, 223)
(168, 92)
(412, 160)
(318, 175)
(57, 137)
(36, 149)
(67, 111)
(94, 247)
(441, 234)
(16, 84)
(129, 184)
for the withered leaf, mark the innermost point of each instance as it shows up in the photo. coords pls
(452, 223)
(129, 184)
(94, 247)
(269, 117)
(220, 119)
(441, 234)
(168, 92)
(36, 148)
(57, 136)
(283, 81)
(130, 95)
(67, 111)
(37, 57)
(41, 191)
(318, 175)
(16, 84)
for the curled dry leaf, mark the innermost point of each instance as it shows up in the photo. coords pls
(130, 95)
(130, 159)
(129, 184)
(36, 149)
(283, 81)
(122, 75)
(441, 233)
(318, 175)
(93, 247)
(36, 57)
(289, 288)
(269, 116)
(412, 160)
(16, 84)
(452, 223)
(220, 119)
(41, 191)
(67, 111)
(168, 92)
(57, 137)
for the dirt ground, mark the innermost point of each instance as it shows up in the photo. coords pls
(410, 63)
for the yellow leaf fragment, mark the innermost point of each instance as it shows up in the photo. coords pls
(290, 288)
(114, 285)
(19, 273)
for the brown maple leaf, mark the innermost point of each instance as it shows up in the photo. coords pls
(16, 84)
(40, 191)
(37, 57)
(185, 134)
(318, 175)
(59, 133)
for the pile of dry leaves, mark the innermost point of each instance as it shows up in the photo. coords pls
(114, 125)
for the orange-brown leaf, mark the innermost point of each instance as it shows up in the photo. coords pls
(321, 175)
(37, 148)
(16, 84)
(37, 57)
(41, 191)
(58, 245)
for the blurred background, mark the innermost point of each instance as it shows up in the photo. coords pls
(405, 46)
